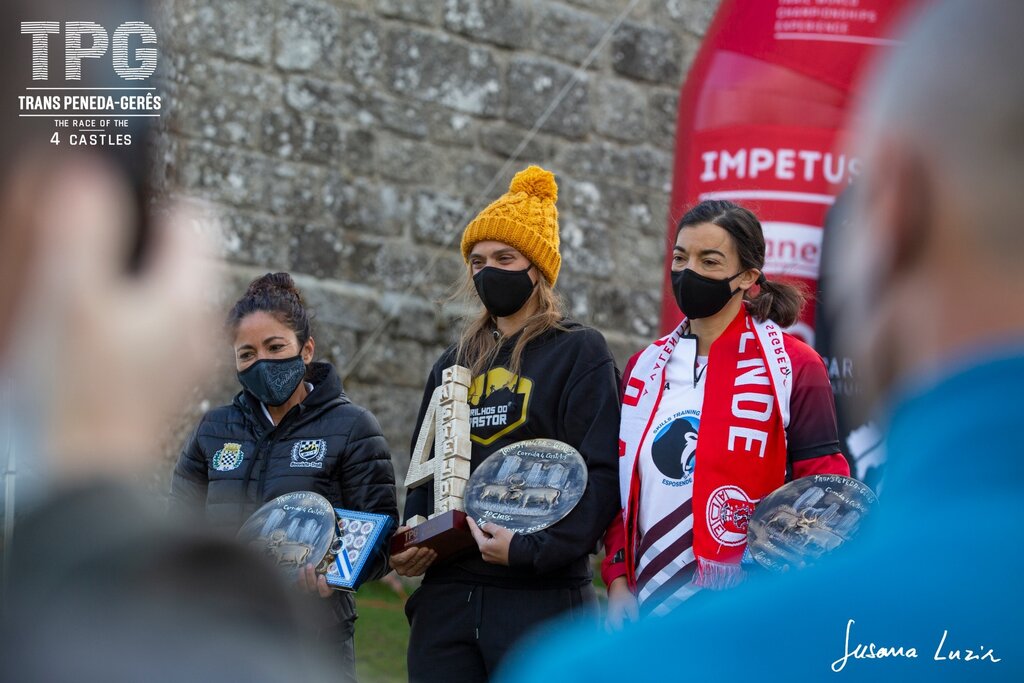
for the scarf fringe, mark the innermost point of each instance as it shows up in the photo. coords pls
(717, 576)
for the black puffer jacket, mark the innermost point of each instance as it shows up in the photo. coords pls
(236, 460)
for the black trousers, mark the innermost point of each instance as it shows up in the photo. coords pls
(460, 632)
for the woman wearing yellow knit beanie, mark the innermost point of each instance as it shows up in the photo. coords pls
(535, 375)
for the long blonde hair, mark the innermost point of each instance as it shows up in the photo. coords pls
(478, 346)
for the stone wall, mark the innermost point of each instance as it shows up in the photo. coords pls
(348, 142)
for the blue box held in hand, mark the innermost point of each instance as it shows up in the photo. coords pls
(363, 536)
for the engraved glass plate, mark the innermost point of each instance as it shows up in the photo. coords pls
(293, 530)
(807, 518)
(527, 486)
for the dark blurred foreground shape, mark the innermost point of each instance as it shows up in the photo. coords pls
(94, 358)
(103, 589)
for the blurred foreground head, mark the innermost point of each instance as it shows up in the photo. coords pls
(931, 273)
(93, 358)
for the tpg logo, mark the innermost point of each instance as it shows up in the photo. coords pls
(74, 53)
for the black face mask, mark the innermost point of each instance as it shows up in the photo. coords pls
(699, 296)
(503, 292)
(272, 380)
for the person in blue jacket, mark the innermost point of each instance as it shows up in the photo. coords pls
(931, 287)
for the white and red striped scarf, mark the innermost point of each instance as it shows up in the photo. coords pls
(741, 445)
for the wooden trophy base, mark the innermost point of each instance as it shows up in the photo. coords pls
(447, 534)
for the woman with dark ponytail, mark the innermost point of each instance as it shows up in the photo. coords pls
(715, 415)
(291, 428)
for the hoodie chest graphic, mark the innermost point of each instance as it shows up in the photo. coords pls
(498, 404)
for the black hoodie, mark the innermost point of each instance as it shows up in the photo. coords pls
(567, 390)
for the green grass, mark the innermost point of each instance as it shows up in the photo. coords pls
(382, 635)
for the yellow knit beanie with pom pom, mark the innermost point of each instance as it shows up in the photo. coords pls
(525, 218)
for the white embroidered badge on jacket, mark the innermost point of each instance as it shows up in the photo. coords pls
(309, 453)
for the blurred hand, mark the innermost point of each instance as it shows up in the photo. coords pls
(622, 605)
(493, 541)
(311, 582)
(414, 561)
(102, 358)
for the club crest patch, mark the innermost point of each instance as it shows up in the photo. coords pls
(228, 458)
(729, 509)
(309, 453)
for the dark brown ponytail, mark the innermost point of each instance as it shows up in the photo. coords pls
(775, 300)
(778, 301)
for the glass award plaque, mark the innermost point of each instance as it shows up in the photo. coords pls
(303, 528)
(527, 486)
(807, 518)
(293, 530)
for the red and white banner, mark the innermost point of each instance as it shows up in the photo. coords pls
(760, 116)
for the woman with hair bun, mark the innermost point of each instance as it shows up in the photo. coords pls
(247, 453)
(715, 416)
